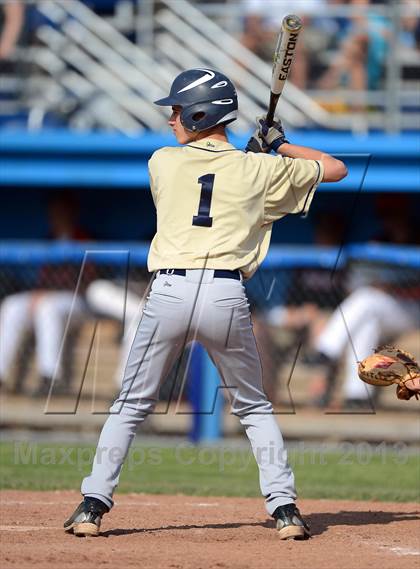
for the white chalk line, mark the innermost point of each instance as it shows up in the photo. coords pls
(203, 505)
(42, 528)
(120, 504)
(20, 528)
(30, 528)
(400, 551)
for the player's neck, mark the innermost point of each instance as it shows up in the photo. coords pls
(217, 133)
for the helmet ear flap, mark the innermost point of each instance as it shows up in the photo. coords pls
(192, 117)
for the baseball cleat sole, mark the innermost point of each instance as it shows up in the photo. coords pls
(290, 524)
(293, 532)
(84, 530)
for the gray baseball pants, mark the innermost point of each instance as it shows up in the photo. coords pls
(215, 312)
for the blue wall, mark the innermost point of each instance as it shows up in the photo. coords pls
(32, 166)
(59, 158)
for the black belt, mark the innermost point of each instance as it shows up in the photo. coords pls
(218, 273)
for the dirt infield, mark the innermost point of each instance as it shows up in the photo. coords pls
(206, 533)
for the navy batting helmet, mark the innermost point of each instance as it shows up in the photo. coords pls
(207, 98)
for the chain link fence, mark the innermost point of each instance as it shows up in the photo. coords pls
(59, 304)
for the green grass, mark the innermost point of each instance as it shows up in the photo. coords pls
(357, 472)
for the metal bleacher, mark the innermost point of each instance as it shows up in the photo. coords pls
(94, 62)
(102, 71)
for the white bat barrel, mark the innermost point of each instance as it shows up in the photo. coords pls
(285, 51)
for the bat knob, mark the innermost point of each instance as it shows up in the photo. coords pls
(292, 23)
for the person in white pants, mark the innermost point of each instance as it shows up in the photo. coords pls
(51, 308)
(115, 301)
(47, 314)
(368, 317)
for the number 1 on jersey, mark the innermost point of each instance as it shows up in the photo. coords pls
(203, 218)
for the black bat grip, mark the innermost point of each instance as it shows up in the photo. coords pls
(271, 109)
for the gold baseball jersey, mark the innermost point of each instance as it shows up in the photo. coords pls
(216, 204)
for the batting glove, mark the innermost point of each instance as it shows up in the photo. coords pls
(256, 144)
(268, 138)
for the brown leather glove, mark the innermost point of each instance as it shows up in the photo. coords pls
(388, 365)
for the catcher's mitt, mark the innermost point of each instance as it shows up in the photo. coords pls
(388, 365)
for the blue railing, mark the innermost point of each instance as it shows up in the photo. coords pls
(59, 159)
(290, 256)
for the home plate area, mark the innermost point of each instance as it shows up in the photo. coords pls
(205, 533)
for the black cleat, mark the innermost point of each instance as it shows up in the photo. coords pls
(86, 519)
(290, 523)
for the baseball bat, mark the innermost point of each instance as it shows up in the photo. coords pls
(282, 61)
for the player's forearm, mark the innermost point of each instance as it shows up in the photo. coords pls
(334, 170)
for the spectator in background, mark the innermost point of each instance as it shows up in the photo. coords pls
(360, 61)
(303, 314)
(371, 315)
(262, 25)
(46, 309)
(410, 24)
(417, 35)
(383, 305)
(397, 220)
(11, 24)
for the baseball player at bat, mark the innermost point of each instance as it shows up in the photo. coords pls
(215, 209)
